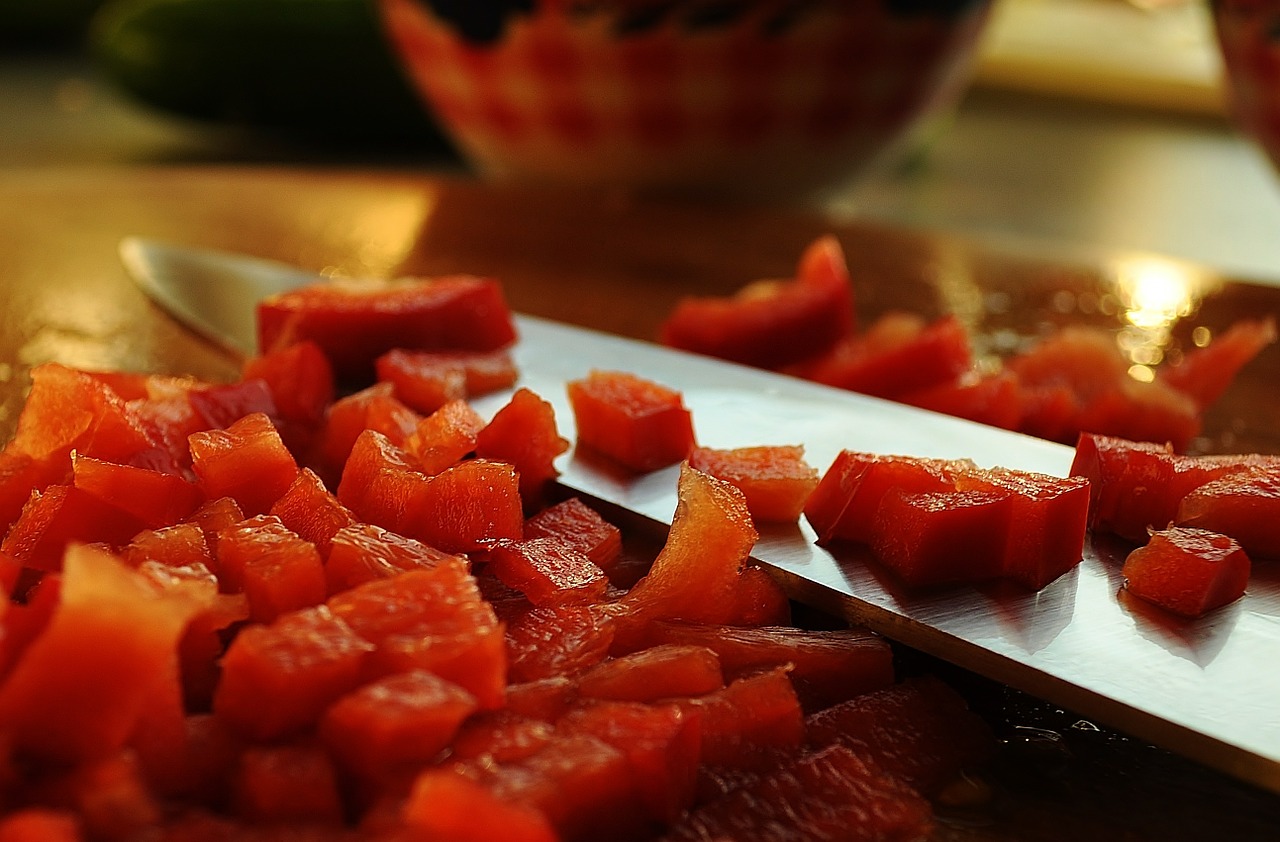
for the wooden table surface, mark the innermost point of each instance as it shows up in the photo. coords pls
(619, 265)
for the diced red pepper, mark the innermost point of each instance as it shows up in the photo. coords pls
(1187, 571)
(523, 433)
(446, 804)
(433, 619)
(278, 679)
(661, 672)
(775, 479)
(427, 380)
(298, 783)
(557, 641)
(467, 507)
(247, 462)
(154, 498)
(826, 666)
(771, 323)
(375, 408)
(747, 723)
(993, 399)
(299, 379)
(276, 569)
(548, 572)
(60, 516)
(896, 356)
(396, 722)
(580, 526)
(844, 504)
(363, 552)
(638, 423)
(312, 511)
(217, 407)
(378, 482)
(444, 438)
(356, 322)
(1243, 504)
(112, 639)
(942, 537)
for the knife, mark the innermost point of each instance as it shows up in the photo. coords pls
(1207, 689)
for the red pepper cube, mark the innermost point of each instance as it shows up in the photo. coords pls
(180, 545)
(400, 721)
(277, 570)
(67, 410)
(827, 666)
(427, 380)
(897, 355)
(1135, 487)
(697, 573)
(378, 483)
(546, 643)
(287, 783)
(1048, 521)
(1243, 504)
(660, 672)
(580, 526)
(299, 379)
(640, 424)
(155, 498)
(920, 732)
(356, 322)
(363, 552)
(745, 725)
(62, 515)
(943, 538)
(446, 803)
(312, 511)
(759, 600)
(997, 400)
(771, 323)
(776, 479)
(444, 438)
(375, 408)
(219, 406)
(467, 507)
(548, 572)
(111, 638)
(662, 744)
(278, 679)
(845, 503)
(432, 619)
(1143, 411)
(1187, 571)
(20, 476)
(41, 824)
(247, 462)
(523, 433)
(504, 735)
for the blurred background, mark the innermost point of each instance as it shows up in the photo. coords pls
(1089, 123)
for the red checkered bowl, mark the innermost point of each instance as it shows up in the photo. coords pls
(747, 97)
(1249, 37)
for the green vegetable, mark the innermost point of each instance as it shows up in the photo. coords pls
(321, 68)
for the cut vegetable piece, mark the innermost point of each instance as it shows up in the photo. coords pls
(247, 462)
(287, 783)
(467, 507)
(432, 619)
(660, 672)
(559, 641)
(775, 479)
(427, 380)
(278, 679)
(299, 378)
(748, 723)
(356, 322)
(442, 439)
(1187, 571)
(897, 355)
(363, 552)
(277, 570)
(771, 323)
(844, 504)
(580, 526)
(993, 399)
(697, 572)
(942, 538)
(60, 516)
(152, 497)
(523, 433)
(446, 804)
(640, 424)
(826, 666)
(112, 638)
(378, 483)
(375, 408)
(312, 511)
(1244, 505)
(548, 572)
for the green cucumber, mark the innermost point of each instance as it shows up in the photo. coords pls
(321, 68)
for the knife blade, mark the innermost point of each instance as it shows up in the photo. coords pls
(1206, 689)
